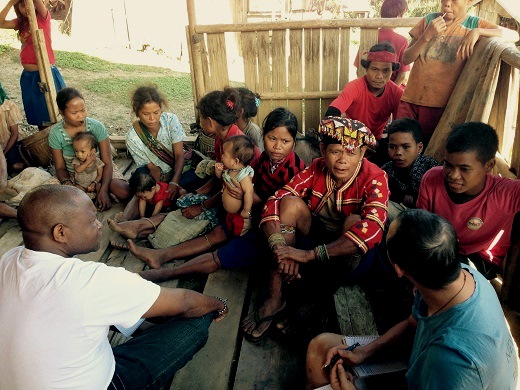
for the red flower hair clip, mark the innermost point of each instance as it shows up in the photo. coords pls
(230, 104)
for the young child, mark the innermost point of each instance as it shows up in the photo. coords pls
(149, 191)
(480, 207)
(393, 9)
(407, 165)
(441, 44)
(249, 102)
(238, 151)
(88, 167)
(33, 99)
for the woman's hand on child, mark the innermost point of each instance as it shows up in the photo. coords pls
(236, 190)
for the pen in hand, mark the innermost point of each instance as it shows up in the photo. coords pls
(335, 358)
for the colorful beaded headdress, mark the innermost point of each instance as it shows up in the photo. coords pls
(350, 132)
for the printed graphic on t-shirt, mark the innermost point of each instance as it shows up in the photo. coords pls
(474, 223)
(444, 49)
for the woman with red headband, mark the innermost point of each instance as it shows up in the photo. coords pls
(372, 98)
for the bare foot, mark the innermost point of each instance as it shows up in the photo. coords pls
(118, 241)
(269, 308)
(147, 255)
(126, 229)
(156, 275)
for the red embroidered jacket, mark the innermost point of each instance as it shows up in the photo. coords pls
(366, 193)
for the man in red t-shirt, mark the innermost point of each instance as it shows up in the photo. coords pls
(393, 9)
(480, 207)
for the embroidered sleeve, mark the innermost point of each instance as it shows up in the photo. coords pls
(300, 185)
(369, 230)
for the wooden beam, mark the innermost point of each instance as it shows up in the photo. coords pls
(194, 40)
(300, 95)
(308, 24)
(42, 60)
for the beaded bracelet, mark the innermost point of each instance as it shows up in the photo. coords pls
(174, 184)
(321, 253)
(276, 238)
(222, 311)
(64, 181)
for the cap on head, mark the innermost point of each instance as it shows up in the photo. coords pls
(349, 132)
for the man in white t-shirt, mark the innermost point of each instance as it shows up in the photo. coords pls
(56, 310)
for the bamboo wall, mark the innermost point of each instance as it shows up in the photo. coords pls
(302, 65)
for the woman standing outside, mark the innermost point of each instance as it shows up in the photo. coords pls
(75, 120)
(33, 99)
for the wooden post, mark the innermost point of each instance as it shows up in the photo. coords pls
(195, 42)
(42, 59)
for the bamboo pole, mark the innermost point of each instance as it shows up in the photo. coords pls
(300, 95)
(42, 60)
(195, 41)
(307, 24)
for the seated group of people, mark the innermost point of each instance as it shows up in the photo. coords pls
(311, 228)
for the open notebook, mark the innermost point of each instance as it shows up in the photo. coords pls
(372, 367)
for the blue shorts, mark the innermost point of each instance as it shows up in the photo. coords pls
(33, 99)
(242, 251)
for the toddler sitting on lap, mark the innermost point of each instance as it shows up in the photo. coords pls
(88, 167)
(238, 151)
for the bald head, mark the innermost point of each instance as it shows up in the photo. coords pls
(51, 216)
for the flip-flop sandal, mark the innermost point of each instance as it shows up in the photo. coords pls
(249, 336)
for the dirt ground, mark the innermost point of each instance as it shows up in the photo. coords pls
(115, 116)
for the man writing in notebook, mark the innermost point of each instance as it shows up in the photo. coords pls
(460, 337)
(56, 310)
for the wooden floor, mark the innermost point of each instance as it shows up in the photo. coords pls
(227, 361)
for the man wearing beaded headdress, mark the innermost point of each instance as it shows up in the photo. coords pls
(371, 98)
(338, 204)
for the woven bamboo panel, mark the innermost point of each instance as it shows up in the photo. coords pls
(279, 63)
(312, 83)
(264, 71)
(344, 57)
(330, 57)
(217, 62)
(295, 72)
(367, 40)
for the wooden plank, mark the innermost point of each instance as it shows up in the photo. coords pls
(264, 71)
(10, 239)
(354, 312)
(368, 38)
(497, 115)
(218, 354)
(312, 83)
(250, 66)
(295, 72)
(270, 363)
(279, 64)
(344, 58)
(196, 51)
(217, 61)
(6, 225)
(330, 57)
(309, 24)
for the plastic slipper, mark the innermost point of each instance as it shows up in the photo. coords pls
(259, 321)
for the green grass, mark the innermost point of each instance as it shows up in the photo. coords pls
(175, 88)
(5, 49)
(75, 60)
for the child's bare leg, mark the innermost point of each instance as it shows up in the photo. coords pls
(7, 211)
(203, 264)
(157, 257)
